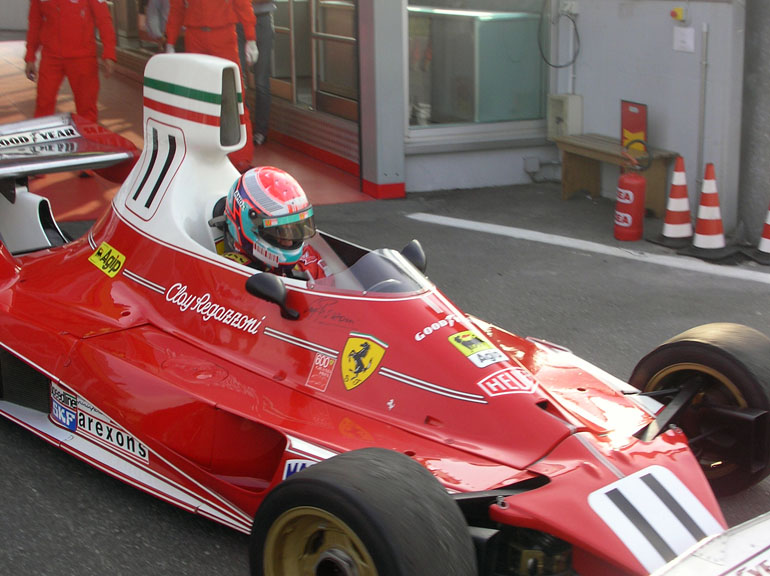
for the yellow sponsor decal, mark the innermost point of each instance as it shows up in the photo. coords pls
(107, 259)
(476, 349)
(469, 342)
(360, 358)
(237, 257)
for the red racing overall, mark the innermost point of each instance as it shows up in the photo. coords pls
(65, 31)
(210, 29)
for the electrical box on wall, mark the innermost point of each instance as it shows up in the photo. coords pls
(564, 115)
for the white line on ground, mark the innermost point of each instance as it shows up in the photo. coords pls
(678, 262)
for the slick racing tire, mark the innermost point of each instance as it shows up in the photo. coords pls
(732, 363)
(370, 512)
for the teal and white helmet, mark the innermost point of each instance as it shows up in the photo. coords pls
(268, 216)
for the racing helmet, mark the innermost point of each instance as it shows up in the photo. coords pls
(268, 216)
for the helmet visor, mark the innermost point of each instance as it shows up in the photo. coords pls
(286, 231)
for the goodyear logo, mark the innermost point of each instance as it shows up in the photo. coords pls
(360, 358)
(107, 259)
(476, 349)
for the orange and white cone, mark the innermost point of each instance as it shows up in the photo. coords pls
(709, 239)
(677, 224)
(762, 252)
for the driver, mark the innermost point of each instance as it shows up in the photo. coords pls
(268, 219)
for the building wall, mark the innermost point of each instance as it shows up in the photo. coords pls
(627, 53)
(15, 14)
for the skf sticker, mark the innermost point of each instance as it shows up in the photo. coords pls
(107, 259)
(360, 358)
(64, 408)
(321, 371)
(477, 350)
(514, 380)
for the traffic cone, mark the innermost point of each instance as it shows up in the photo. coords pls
(761, 253)
(677, 224)
(709, 239)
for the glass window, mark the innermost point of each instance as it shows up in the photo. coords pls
(476, 61)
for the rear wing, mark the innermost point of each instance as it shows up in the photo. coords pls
(61, 143)
(58, 143)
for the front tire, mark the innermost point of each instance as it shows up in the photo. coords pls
(732, 363)
(370, 512)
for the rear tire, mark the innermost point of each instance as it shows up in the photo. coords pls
(734, 363)
(370, 512)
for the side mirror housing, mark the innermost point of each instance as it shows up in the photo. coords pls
(271, 288)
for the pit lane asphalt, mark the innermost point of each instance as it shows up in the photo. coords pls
(60, 516)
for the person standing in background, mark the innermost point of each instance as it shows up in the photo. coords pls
(263, 11)
(210, 29)
(64, 29)
(153, 24)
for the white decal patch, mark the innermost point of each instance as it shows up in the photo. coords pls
(654, 514)
(83, 418)
(321, 372)
(515, 380)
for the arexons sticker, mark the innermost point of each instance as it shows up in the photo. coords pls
(107, 259)
(476, 349)
(83, 418)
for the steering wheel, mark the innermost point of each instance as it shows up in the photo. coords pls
(378, 286)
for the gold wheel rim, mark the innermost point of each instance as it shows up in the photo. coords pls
(733, 396)
(310, 541)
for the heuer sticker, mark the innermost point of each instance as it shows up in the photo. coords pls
(107, 259)
(515, 380)
(321, 372)
(294, 466)
(476, 349)
(360, 358)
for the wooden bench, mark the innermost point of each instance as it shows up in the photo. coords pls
(583, 154)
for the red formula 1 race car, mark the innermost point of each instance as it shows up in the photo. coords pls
(360, 423)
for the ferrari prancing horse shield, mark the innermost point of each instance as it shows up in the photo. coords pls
(360, 358)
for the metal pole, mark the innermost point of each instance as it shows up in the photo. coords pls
(702, 111)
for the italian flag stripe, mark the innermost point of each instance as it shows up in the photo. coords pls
(186, 92)
(182, 113)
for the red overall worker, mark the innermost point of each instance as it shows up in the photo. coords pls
(210, 29)
(65, 30)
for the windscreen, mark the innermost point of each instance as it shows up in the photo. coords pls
(380, 271)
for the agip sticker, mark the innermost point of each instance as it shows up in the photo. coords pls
(107, 259)
(476, 349)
